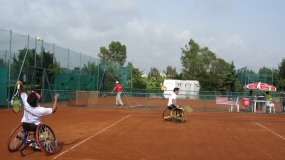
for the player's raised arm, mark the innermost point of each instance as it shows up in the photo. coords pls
(54, 107)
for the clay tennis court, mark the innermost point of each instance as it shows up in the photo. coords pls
(139, 133)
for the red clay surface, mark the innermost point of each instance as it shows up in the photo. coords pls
(129, 133)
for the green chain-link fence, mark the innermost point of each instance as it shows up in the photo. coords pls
(49, 68)
(249, 74)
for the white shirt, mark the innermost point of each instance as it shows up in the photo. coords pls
(33, 114)
(173, 96)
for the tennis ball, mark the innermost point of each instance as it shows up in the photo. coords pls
(42, 136)
(38, 38)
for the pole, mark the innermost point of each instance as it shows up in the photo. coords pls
(9, 90)
(68, 59)
(53, 60)
(35, 62)
(27, 79)
(98, 76)
(89, 64)
(43, 71)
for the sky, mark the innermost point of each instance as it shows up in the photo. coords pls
(247, 32)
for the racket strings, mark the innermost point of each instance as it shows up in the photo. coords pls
(188, 109)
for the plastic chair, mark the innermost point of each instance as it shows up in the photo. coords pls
(246, 104)
(269, 105)
(236, 104)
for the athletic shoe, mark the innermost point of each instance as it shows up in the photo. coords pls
(35, 145)
(122, 105)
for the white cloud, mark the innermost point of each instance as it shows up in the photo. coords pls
(85, 26)
(235, 48)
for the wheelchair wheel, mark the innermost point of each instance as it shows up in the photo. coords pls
(14, 140)
(46, 139)
(166, 116)
(179, 119)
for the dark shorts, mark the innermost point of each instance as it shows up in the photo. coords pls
(171, 107)
(29, 126)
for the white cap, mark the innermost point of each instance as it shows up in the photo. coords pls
(117, 81)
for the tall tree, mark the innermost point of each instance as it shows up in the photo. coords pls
(230, 78)
(29, 66)
(250, 71)
(195, 60)
(215, 77)
(116, 53)
(170, 72)
(154, 72)
(266, 71)
(266, 75)
(281, 68)
(90, 69)
(137, 80)
(279, 75)
(2, 62)
(130, 65)
(189, 60)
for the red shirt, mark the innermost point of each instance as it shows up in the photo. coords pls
(119, 88)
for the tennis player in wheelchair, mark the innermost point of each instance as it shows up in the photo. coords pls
(172, 102)
(33, 112)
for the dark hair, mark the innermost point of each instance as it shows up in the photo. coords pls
(267, 92)
(32, 99)
(175, 89)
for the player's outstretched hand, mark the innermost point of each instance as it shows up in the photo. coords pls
(56, 96)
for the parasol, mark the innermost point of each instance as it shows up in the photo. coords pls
(260, 86)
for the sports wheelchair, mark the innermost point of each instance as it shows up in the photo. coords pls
(172, 114)
(44, 138)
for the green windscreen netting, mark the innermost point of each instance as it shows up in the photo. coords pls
(3, 86)
(49, 69)
(247, 75)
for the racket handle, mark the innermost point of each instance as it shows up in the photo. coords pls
(18, 86)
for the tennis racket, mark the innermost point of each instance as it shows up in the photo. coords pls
(16, 101)
(188, 109)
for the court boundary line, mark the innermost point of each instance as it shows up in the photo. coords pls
(270, 131)
(90, 137)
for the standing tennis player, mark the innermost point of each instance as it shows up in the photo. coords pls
(162, 89)
(172, 101)
(33, 112)
(119, 90)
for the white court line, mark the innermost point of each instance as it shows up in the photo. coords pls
(90, 137)
(138, 106)
(270, 131)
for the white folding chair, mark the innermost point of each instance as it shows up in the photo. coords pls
(269, 105)
(232, 105)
